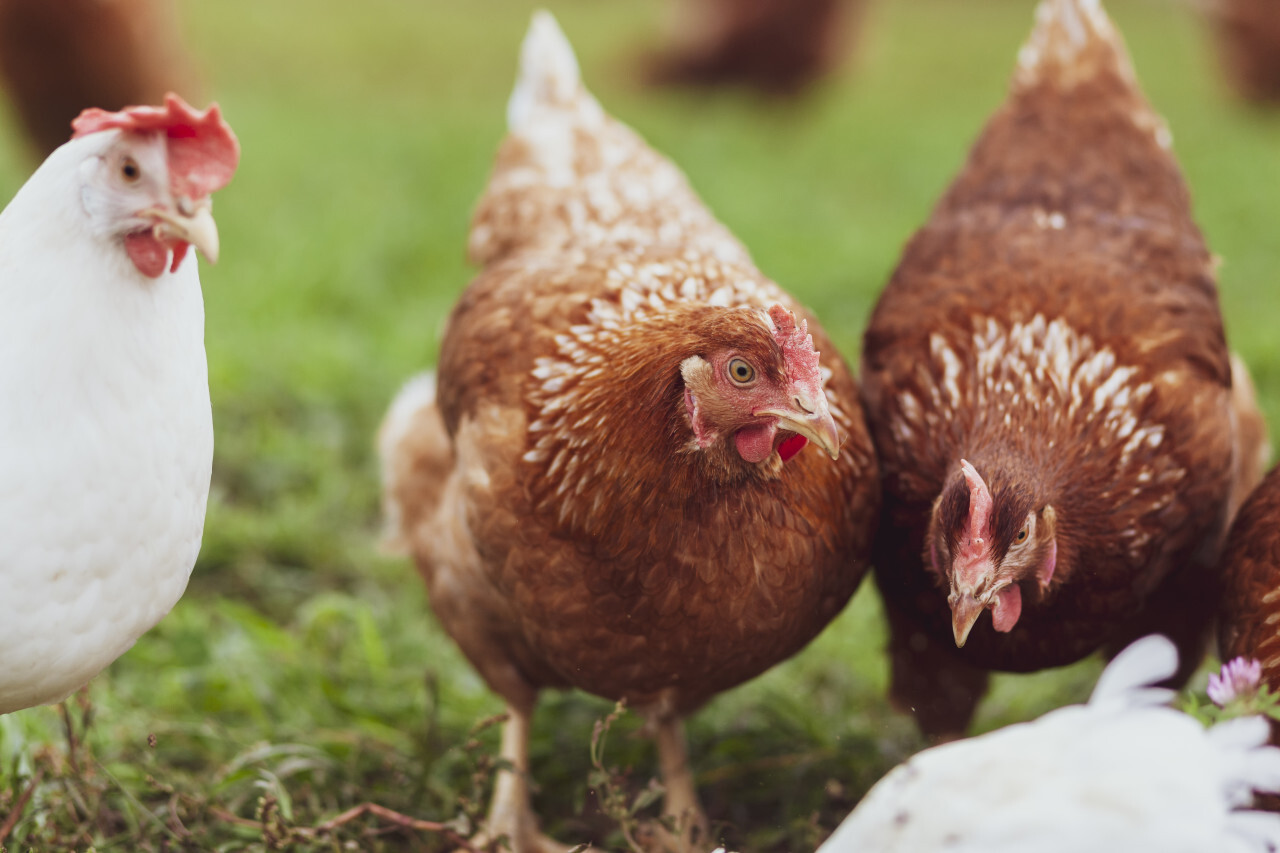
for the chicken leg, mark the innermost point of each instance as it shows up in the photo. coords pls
(681, 800)
(510, 812)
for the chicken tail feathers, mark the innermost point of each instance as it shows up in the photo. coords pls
(569, 174)
(549, 75)
(1126, 767)
(1072, 41)
(1077, 120)
(416, 455)
(1128, 678)
(1247, 766)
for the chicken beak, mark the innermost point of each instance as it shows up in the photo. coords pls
(965, 610)
(812, 419)
(196, 228)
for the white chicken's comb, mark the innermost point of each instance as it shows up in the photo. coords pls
(548, 71)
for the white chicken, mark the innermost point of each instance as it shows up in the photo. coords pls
(106, 431)
(1123, 773)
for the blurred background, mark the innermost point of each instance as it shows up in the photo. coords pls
(302, 673)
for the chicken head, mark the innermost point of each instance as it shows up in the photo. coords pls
(764, 391)
(986, 548)
(150, 185)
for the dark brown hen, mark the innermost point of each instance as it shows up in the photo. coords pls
(58, 58)
(1050, 391)
(1248, 33)
(778, 47)
(609, 489)
(1247, 622)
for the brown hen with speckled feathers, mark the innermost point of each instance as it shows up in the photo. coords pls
(1062, 432)
(1251, 587)
(609, 488)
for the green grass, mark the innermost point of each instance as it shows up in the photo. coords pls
(302, 673)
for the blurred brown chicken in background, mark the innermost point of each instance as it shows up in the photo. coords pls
(776, 46)
(56, 58)
(1249, 43)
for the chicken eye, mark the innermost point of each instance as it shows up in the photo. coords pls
(1021, 537)
(130, 170)
(741, 372)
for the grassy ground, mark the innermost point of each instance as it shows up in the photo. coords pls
(302, 675)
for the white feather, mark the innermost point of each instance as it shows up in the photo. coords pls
(415, 395)
(1126, 678)
(549, 73)
(1119, 774)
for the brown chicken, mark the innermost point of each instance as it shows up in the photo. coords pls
(1061, 430)
(775, 46)
(608, 488)
(1249, 43)
(1251, 587)
(58, 57)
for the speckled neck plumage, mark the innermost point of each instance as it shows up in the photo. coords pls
(627, 409)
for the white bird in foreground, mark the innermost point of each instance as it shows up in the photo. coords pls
(106, 432)
(1122, 773)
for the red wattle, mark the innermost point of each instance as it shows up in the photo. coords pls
(179, 252)
(755, 443)
(791, 445)
(1007, 609)
(148, 253)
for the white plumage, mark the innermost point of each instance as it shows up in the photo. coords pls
(106, 432)
(1122, 773)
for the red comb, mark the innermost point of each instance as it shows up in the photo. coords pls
(972, 555)
(203, 152)
(797, 346)
(980, 502)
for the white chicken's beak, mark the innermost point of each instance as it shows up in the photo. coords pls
(812, 419)
(196, 228)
